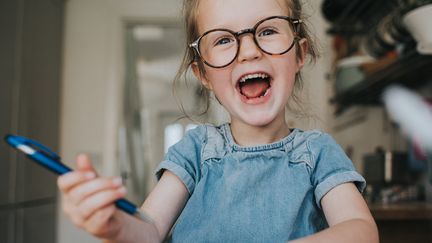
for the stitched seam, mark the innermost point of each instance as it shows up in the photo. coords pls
(204, 142)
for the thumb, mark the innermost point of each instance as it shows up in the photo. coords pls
(84, 163)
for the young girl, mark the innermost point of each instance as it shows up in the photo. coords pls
(253, 179)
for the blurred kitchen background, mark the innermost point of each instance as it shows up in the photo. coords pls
(95, 77)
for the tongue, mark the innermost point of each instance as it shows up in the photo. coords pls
(254, 88)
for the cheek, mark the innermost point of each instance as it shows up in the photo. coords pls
(287, 67)
(218, 78)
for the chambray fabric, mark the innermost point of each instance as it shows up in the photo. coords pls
(264, 193)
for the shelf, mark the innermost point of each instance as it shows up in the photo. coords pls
(411, 71)
(359, 16)
(402, 211)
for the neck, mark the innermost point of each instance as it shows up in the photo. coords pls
(249, 135)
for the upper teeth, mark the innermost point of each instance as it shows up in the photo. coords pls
(255, 75)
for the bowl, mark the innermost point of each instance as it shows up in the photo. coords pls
(418, 22)
(349, 72)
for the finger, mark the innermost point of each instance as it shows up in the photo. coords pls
(66, 205)
(76, 218)
(72, 212)
(99, 200)
(98, 224)
(84, 163)
(69, 180)
(78, 193)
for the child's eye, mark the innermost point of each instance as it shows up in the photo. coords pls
(267, 32)
(223, 41)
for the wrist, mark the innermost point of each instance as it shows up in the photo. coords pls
(123, 221)
(132, 229)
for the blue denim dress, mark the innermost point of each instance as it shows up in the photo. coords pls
(263, 193)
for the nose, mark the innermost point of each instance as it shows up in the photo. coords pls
(248, 50)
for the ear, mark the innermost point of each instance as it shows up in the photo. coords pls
(301, 56)
(200, 77)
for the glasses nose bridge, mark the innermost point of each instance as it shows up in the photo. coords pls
(245, 31)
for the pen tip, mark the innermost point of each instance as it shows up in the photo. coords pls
(143, 216)
(6, 137)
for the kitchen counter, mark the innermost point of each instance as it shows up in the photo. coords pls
(403, 222)
(402, 211)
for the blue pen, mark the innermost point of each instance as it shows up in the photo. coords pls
(50, 160)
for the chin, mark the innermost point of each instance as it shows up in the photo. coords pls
(259, 120)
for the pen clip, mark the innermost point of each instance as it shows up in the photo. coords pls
(36, 145)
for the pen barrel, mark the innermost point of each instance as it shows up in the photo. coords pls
(126, 206)
(49, 163)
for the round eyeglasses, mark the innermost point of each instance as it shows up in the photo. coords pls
(274, 35)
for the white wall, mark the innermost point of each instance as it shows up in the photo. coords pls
(317, 89)
(93, 70)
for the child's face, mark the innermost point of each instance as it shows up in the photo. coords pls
(247, 104)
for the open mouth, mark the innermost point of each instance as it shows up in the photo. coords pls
(255, 85)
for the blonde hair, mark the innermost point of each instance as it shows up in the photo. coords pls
(190, 12)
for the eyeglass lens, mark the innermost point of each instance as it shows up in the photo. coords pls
(219, 47)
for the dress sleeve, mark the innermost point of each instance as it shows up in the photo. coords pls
(183, 158)
(332, 167)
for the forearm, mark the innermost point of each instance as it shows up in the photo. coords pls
(135, 230)
(355, 230)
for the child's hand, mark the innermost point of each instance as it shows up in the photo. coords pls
(88, 200)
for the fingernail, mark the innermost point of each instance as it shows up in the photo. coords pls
(90, 175)
(122, 190)
(117, 181)
(81, 156)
